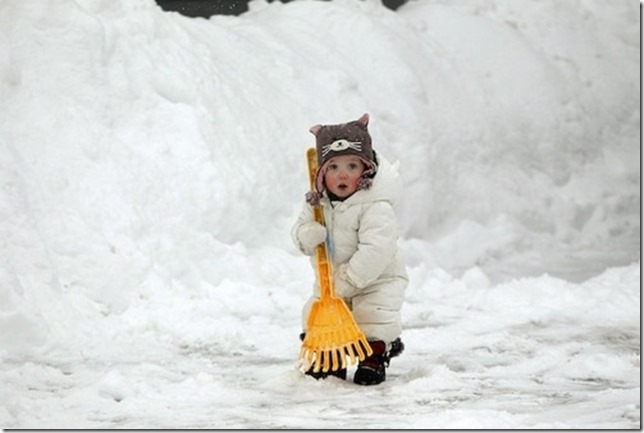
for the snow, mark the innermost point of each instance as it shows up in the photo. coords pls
(151, 167)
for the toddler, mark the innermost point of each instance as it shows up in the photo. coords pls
(357, 188)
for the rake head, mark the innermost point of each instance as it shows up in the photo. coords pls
(333, 338)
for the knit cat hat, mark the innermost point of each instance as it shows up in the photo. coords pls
(350, 138)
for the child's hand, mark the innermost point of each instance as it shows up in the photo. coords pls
(342, 284)
(311, 234)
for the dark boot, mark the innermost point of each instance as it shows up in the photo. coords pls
(341, 373)
(372, 370)
(397, 347)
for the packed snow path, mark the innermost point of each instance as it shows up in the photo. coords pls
(535, 353)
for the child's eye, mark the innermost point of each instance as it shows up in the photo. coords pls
(353, 166)
(333, 166)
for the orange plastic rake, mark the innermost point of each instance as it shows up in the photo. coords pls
(332, 336)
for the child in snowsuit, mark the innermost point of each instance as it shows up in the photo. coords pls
(356, 188)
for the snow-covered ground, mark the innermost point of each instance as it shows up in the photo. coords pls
(151, 166)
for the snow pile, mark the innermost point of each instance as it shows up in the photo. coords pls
(151, 166)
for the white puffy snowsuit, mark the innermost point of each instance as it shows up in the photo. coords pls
(362, 233)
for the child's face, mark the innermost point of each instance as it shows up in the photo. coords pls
(342, 175)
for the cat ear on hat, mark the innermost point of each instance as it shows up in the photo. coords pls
(315, 129)
(364, 119)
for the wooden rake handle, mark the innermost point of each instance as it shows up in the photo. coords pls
(325, 271)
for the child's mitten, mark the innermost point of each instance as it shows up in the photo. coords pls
(311, 234)
(342, 284)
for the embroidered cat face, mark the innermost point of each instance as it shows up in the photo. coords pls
(340, 145)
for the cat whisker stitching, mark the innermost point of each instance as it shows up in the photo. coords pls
(340, 145)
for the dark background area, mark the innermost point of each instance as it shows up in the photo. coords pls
(207, 8)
